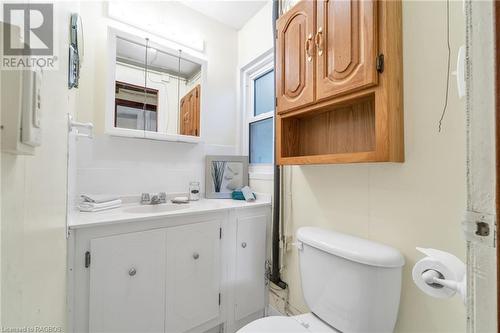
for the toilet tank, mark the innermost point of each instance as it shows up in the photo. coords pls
(351, 283)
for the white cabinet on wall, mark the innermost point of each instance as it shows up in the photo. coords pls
(184, 273)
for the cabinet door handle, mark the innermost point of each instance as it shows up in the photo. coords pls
(132, 271)
(308, 47)
(318, 40)
(196, 256)
(243, 245)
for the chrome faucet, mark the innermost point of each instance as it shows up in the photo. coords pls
(153, 199)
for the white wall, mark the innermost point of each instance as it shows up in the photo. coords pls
(417, 203)
(256, 36)
(254, 39)
(131, 166)
(33, 253)
(219, 93)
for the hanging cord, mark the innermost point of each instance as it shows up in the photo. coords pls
(145, 85)
(448, 67)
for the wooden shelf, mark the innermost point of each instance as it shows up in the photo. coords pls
(346, 129)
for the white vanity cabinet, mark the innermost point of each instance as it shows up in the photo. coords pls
(127, 280)
(193, 276)
(249, 268)
(192, 272)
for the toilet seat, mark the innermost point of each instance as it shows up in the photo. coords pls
(305, 323)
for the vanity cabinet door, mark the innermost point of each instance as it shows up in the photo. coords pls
(250, 265)
(295, 57)
(346, 46)
(127, 283)
(193, 275)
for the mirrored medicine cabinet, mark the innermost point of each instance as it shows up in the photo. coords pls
(155, 92)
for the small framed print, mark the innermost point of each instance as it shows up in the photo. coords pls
(225, 174)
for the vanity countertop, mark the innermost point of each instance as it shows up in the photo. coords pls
(136, 212)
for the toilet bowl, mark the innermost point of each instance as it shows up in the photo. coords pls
(350, 284)
(304, 323)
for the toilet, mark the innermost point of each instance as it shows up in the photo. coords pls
(350, 285)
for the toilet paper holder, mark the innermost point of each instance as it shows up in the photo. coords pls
(436, 280)
(440, 274)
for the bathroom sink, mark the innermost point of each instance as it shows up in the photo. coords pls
(154, 209)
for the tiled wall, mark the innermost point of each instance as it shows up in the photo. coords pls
(127, 166)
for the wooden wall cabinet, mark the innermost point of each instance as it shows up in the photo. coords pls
(339, 82)
(296, 62)
(190, 112)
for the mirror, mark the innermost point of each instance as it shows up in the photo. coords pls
(157, 91)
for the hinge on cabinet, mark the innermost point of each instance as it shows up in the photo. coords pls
(276, 101)
(87, 259)
(219, 298)
(380, 63)
(220, 233)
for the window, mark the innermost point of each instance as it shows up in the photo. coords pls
(263, 93)
(258, 114)
(261, 141)
(261, 124)
(130, 108)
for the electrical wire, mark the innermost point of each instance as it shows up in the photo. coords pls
(448, 67)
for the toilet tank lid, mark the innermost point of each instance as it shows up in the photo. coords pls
(352, 248)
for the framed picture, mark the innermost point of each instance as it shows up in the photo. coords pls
(224, 174)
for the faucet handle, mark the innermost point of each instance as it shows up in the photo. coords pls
(163, 197)
(145, 198)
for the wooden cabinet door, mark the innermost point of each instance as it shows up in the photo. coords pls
(346, 46)
(250, 266)
(193, 275)
(295, 57)
(190, 112)
(127, 283)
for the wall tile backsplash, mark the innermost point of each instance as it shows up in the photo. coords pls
(127, 166)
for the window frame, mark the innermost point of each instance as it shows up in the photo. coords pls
(249, 73)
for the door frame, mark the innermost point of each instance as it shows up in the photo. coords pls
(497, 145)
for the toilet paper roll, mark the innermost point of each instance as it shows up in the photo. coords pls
(449, 266)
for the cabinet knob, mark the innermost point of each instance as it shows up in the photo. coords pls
(318, 40)
(132, 271)
(243, 245)
(196, 256)
(308, 47)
